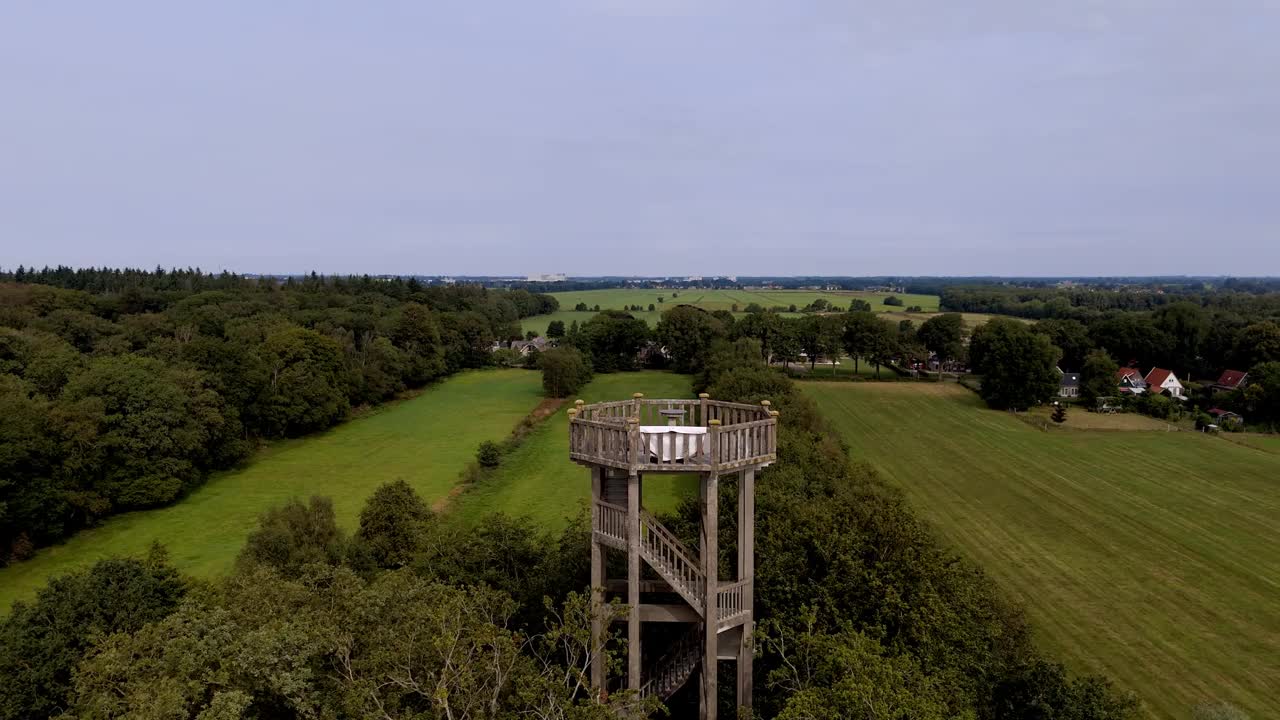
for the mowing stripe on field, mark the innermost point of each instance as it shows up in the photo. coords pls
(1153, 557)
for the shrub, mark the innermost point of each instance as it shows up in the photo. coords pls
(894, 301)
(489, 454)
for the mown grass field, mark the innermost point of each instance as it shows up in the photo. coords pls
(567, 315)
(426, 440)
(620, 298)
(1153, 557)
(540, 481)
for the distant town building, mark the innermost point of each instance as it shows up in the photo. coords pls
(547, 277)
(693, 278)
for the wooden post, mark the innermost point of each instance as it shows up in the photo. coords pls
(710, 552)
(747, 571)
(597, 583)
(636, 405)
(577, 409)
(702, 408)
(633, 560)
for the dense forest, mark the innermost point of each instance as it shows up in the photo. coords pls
(123, 389)
(862, 613)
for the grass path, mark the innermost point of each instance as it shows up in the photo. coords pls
(539, 480)
(426, 440)
(1152, 557)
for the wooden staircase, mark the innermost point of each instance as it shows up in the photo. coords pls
(675, 668)
(680, 566)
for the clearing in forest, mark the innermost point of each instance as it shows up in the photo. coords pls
(540, 481)
(1152, 557)
(426, 440)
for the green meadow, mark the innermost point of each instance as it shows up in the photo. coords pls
(1152, 557)
(426, 440)
(540, 481)
(711, 300)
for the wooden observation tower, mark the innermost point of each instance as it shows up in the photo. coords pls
(622, 442)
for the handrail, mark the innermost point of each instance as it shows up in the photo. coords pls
(676, 563)
(731, 600)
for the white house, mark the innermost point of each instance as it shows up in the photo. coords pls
(1160, 380)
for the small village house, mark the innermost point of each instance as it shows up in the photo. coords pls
(1069, 385)
(1160, 381)
(1130, 381)
(1230, 380)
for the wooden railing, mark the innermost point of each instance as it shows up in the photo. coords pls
(611, 521)
(600, 441)
(732, 601)
(745, 443)
(609, 434)
(677, 564)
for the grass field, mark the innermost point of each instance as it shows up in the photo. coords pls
(1152, 557)
(426, 440)
(620, 298)
(538, 323)
(539, 480)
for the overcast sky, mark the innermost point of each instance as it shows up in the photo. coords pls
(836, 137)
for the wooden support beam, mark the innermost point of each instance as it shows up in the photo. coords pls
(747, 571)
(710, 567)
(633, 581)
(597, 586)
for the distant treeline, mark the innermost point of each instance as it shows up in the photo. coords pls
(122, 389)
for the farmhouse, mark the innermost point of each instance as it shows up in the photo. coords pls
(1069, 385)
(1160, 380)
(1130, 381)
(1230, 380)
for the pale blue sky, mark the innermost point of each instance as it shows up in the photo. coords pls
(837, 137)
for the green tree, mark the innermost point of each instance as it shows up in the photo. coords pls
(42, 642)
(894, 301)
(612, 339)
(1097, 376)
(293, 535)
(306, 391)
(943, 335)
(1257, 343)
(393, 524)
(1188, 325)
(687, 332)
(1017, 365)
(418, 333)
(820, 337)
(137, 432)
(1071, 336)
(767, 327)
(564, 371)
(555, 329)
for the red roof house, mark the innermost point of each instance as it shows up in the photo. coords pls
(1160, 380)
(1231, 380)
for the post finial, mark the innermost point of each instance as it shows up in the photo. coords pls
(704, 396)
(579, 402)
(773, 413)
(714, 423)
(637, 396)
(573, 412)
(633, 421)
(765, 403)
